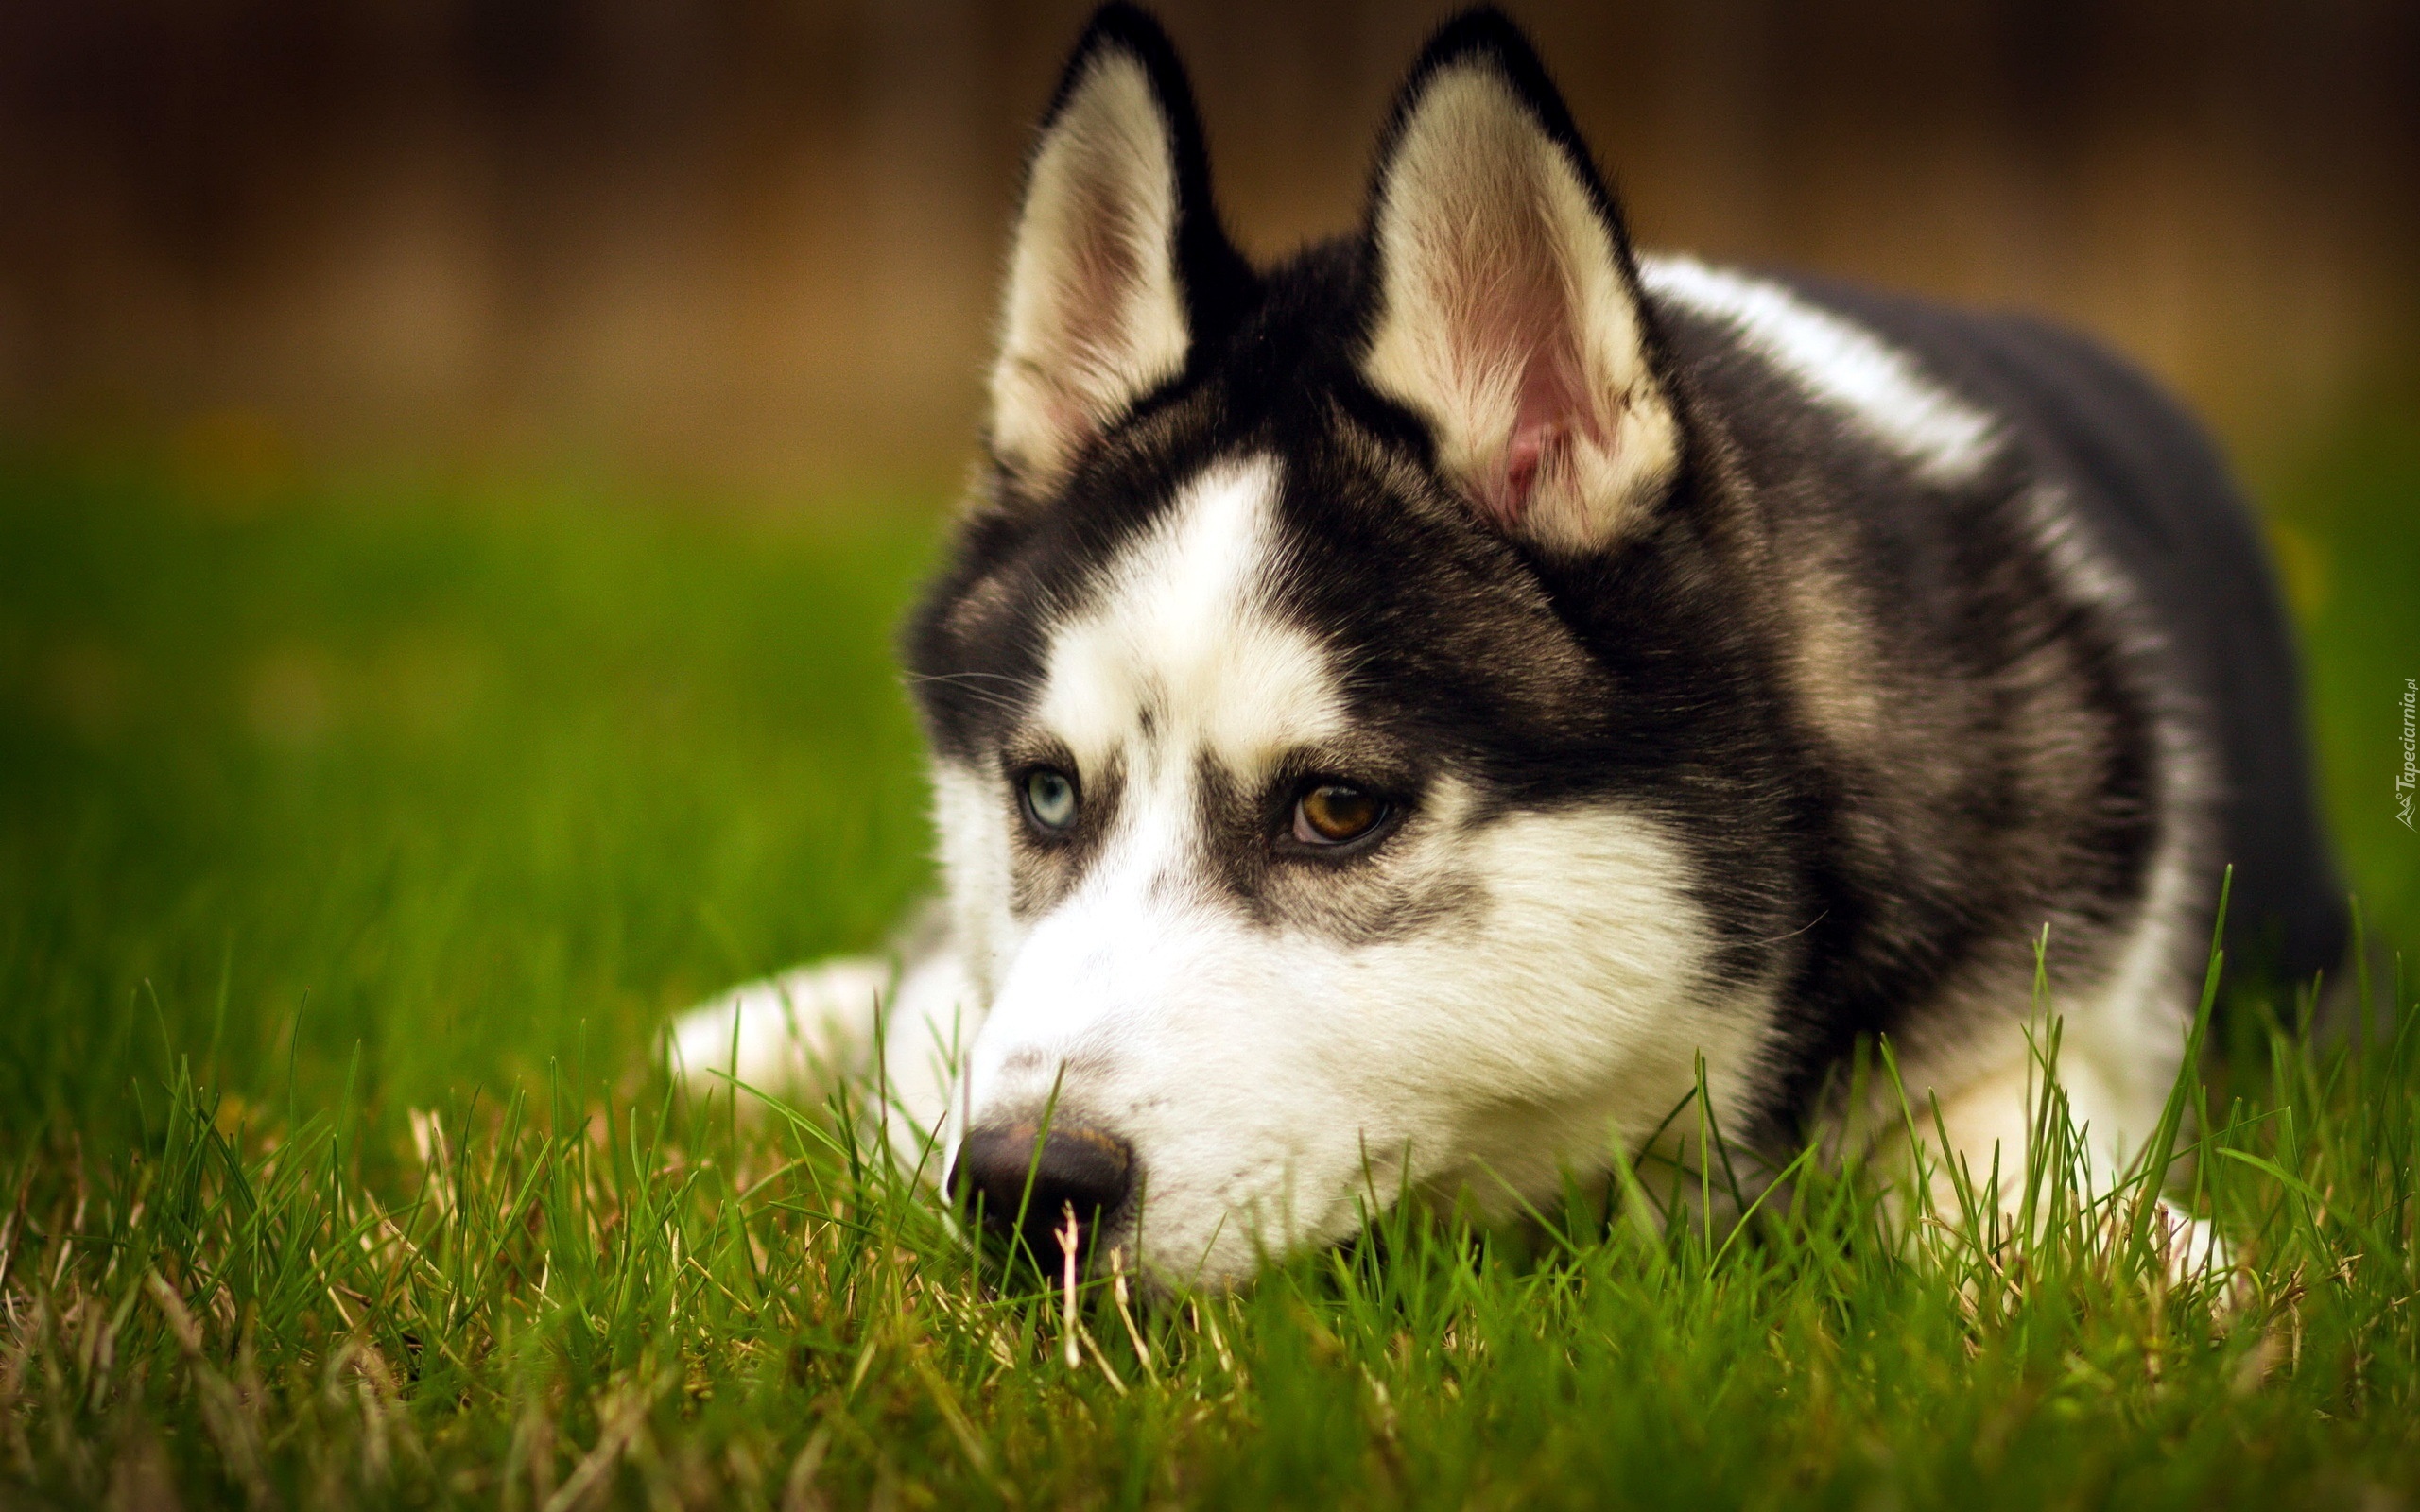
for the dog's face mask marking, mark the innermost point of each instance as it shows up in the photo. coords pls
(1270, 778)
(1279, 1027)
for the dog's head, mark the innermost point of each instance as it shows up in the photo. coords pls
(1329, 689)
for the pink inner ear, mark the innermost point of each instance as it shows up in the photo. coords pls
(1552, 406)
(1524, 314)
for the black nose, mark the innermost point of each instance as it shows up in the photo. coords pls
(1086, 1169)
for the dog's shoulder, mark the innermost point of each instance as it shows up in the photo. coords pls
(1910, 427)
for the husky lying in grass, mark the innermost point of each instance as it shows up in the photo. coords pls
(1407, 718)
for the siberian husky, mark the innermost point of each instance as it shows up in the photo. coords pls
(1404, 718)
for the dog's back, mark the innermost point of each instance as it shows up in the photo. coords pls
(2149, 485)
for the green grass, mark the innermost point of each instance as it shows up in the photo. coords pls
(356, 840)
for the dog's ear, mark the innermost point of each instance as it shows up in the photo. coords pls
(1503, 304)
(1118, 265)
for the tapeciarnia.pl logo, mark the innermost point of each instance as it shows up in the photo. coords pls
(2406, 779)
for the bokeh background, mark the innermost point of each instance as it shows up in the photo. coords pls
(756, 238)
(460, 459)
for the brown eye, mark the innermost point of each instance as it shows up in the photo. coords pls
(1334, 812)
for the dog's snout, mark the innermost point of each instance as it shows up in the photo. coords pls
(1000, 1173)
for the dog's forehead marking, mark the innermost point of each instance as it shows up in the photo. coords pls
(1184, 648)
(1874, 384)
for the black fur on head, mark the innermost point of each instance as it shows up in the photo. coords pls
(1275, 367)
(1540, 677)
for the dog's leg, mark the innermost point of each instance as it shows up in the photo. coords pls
(786, 1033)
(928, 1033)
(796, 1035)
(1992, 1119)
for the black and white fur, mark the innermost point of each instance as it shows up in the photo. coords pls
(1749, 664)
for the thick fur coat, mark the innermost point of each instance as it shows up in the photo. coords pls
(1401, 716)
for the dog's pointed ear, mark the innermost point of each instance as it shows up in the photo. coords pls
(1118, 265)
(1503, 303)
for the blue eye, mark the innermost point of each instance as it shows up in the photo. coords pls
(1050, 798)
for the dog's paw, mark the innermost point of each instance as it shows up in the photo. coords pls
(2191, 1249)
(807, 1025)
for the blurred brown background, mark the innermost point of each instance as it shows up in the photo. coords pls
(754, 242)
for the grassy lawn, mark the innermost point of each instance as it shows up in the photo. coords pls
(356, 840)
